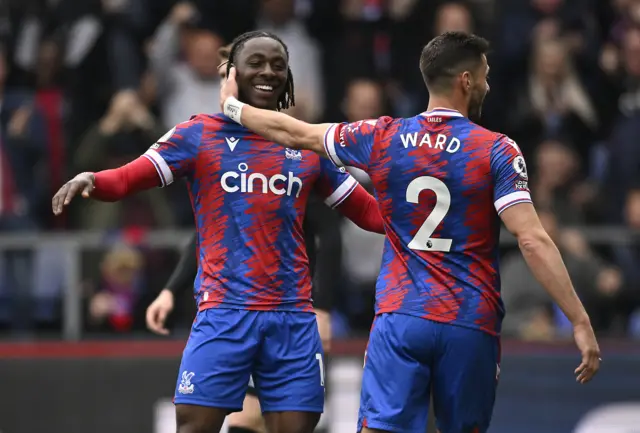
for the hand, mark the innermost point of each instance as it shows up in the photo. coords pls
(182, 13)
(83, 183)
(17, 126)
(324, 328)
(158, 311)
(101, 305)
(586, 341)
(229, 87)
(609, 281)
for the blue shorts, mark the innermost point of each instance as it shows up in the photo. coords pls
(281, 350)
(409, 357)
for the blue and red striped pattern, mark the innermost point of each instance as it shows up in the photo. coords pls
(441, 182)
(249, 197)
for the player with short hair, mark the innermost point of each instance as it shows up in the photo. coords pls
(442, 183)
(253, 288)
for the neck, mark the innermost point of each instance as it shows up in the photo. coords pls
(438, 101)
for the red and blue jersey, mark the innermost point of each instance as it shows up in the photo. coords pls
(249, 198)
(441, 181)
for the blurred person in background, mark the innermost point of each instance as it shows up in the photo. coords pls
(556, 182)
(115, 306)
(627, 256)
(124, 131)
(531, 315)
(279, 17)
(555, 104)
(623, 152)
(186, 84)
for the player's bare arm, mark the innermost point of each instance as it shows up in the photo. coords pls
(545, 262)
(272, 125)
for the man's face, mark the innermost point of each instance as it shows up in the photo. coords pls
(261, 67)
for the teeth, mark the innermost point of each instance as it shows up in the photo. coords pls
(264, 87)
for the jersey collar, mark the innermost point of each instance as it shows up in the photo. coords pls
(442, 112)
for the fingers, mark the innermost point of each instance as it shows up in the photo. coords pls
(155, 319)
(232, 74)
(64, 196)
(86, 192)
(588, 367)
(58, 199)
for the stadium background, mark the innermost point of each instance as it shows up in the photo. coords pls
(90, 84)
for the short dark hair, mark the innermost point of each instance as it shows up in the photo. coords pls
(287, 99)
(448, 55)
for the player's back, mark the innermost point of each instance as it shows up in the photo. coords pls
(249, 197)
(439, 179)
(439, 184)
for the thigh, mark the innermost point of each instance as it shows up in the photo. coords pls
(250, 418)
(218, 358)
(289, 372)
(465, 378)
(291, 421)
(396, 376)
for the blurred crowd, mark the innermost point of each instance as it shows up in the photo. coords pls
(86, 85)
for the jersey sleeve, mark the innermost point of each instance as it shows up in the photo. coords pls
(509, 170)
(174, 154)
(350, 144)
(335, 184)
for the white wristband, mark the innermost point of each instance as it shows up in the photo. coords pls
(233, 109)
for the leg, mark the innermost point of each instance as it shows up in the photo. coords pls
(289, 373)
(250, 420)
(396, 377)
(215, 368)
(465, 378)
(291, 421)
(199, 419)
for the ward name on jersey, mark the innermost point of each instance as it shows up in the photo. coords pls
(441, 182)
(249, 197)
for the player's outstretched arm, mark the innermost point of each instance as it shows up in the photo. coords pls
(277, 127)
(108, 185)
(545, 262)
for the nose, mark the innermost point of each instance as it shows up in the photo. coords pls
(267, 71)
(488, 87)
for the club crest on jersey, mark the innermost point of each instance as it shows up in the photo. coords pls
(186, 387)
(293, 154)
(520, 166)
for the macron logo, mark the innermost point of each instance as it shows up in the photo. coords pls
(232, 142)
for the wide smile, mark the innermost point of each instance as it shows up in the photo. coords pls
(264, 89)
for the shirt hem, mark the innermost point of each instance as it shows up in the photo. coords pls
(441, 319)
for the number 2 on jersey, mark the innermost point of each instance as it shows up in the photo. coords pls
(423, 241)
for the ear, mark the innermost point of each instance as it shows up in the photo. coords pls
(467, 81)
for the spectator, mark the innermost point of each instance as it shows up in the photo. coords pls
(530, 314)
(188, 85)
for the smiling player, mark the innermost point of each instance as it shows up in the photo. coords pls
(253, 285)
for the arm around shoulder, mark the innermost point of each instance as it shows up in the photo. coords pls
(278, 127)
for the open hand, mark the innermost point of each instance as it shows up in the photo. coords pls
(82, 183)
(229, 87)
